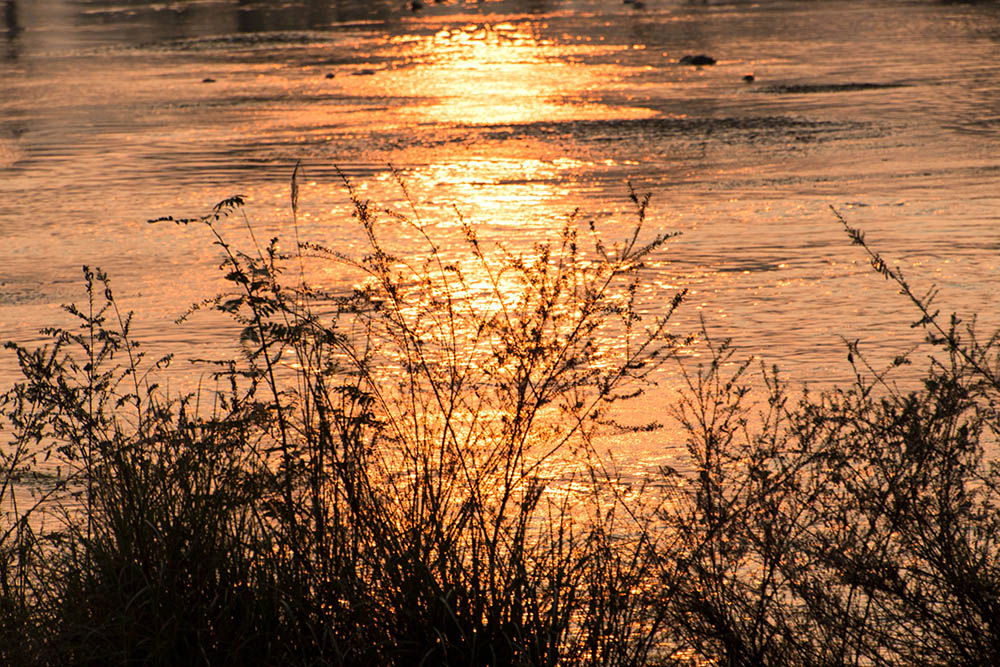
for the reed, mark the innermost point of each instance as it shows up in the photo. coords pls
(857, 526)
(405, 472)
(382, 481)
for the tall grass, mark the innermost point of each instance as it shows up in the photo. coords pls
(858, 526)
(375, 486)
(405, 472)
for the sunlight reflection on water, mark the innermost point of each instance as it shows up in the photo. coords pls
(515, 113)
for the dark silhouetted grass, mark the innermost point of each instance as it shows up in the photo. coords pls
(858, 526)
(405, 472)
(383, 482)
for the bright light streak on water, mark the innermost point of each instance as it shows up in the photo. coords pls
(517, 112)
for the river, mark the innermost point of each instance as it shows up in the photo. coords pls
(516, 112)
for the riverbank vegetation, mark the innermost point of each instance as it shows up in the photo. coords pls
(409, 472)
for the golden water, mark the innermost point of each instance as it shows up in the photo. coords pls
(517, 112)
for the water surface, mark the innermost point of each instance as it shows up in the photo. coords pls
(517, 112)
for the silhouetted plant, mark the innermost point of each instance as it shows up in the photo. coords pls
(376, 485)
(405, 471)
(856, 526)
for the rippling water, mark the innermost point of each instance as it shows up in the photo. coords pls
(518, 112)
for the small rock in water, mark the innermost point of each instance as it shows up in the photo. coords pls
(748, 78)
(208, 79)
(700, 59)
(329, 75)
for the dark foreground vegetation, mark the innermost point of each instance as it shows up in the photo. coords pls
(409, 473)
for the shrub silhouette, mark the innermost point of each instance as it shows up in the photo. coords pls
(858, 526)
(376, 485)
(405, 472)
